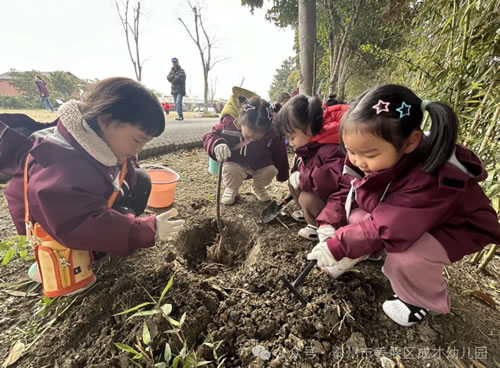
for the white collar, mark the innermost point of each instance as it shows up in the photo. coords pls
(95, 146)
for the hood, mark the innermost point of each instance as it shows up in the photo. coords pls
(331, 123)
(233, 105)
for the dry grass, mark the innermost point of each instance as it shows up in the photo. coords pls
(45, 116)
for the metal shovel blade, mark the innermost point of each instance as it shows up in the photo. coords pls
(270, 212)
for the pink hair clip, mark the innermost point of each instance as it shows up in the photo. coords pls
(379, 107)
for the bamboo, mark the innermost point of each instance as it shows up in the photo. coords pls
(489, 256)
(475, 122)
(491, 126)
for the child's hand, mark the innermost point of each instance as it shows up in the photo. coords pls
(322, 254)
(325, 232)
(166, 229)
(222, 152)
(294, 180)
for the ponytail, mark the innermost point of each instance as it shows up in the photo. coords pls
(315, 114)
(439, 146)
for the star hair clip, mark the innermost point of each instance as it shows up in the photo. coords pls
(381, 106)
(404, 110)
(248, 107)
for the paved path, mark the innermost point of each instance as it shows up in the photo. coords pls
(183, 134)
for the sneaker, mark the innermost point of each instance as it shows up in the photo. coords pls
(402, 313)
(34, 273)
(309, 232)
(261, 194)
(299, 216)
(179, 118)
(229, 196)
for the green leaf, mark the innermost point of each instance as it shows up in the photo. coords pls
(125, 347)
(173, 322)
(23, 253)
(8, 256)
(133, 309)
(169, 284)
(4, 245)
(176, 361)
(161, 365)
(190, 361)
(166, 309)
(135, 363)
(183, 318)
(167, 354)
(144, 313)
(203, 362)
(146, 336)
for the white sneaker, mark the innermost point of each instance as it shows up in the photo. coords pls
(299, 216)
(229, 196)
(402, 313)
(34, 273)
(309, 232)
(261, 194)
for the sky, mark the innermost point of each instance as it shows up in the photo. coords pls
(85, 37)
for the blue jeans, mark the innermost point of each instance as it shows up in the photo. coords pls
(46, 103)
(178, 103)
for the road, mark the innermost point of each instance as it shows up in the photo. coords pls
(186, 129)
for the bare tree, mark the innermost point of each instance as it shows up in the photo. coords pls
(131, 31)
(307, 41)
(204, 43)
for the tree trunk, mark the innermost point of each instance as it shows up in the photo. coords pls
(205, 90)
(307, 39)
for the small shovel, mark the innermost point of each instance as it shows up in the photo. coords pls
(273, 209)
(293, 287)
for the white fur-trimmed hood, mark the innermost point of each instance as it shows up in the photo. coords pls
(72, 120)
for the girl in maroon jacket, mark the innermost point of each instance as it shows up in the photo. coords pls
(316, 183)
(249, 148)
(79, 189)
(418, 198)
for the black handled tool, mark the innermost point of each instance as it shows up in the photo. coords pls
(273, 209)
(293, 287)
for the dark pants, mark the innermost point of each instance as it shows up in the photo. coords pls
(310, 203)
(134, 201)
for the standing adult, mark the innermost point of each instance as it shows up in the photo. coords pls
(44, 93)
(177, 77)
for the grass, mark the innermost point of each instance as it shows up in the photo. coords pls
(46, 116)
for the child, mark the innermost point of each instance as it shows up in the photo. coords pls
(419, 199)
(317, 173)
(79, 189)
(248, 147)
(43, 90)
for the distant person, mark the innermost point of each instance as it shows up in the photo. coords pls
(44, 93)
(83, 187)
(177, 77)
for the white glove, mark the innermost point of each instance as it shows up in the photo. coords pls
(322, 254)
(166, 229)
(344, 265)
(325, 232)
(294, 180)
(222, 152)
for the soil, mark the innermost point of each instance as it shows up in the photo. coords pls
(241, 300)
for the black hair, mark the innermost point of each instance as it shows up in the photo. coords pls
(256, 114)
(404, 116)
(332, 100)
(283, 98)
(299, 113)
(127, 101)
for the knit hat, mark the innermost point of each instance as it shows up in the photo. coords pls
(175, 60)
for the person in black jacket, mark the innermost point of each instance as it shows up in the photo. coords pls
(177, 77)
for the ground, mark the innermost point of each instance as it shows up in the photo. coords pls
(243, 304)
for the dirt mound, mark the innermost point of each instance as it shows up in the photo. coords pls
(241, 301)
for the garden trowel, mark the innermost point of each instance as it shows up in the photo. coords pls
(273, 209)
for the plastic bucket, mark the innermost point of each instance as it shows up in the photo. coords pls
(164, 183)
(213, 166)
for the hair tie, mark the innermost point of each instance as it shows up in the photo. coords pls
(310, 99)
(423, 105)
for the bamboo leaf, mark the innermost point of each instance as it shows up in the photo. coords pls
(183, 318)
(125, 347)
(14, 354)
(167, 354)
(133, 308)
(144, 313)
(8, 256)
(169, 284)
(146, 336)
(166, 309)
